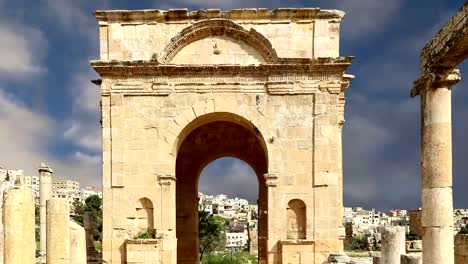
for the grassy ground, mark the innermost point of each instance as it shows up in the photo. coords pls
(230, 258)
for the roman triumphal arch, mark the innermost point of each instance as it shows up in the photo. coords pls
(181, 89)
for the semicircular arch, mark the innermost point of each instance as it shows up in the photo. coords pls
(219, 27)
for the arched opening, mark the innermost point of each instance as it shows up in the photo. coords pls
(144, 215)
(211, 137)
(228, 193)
(296, 213)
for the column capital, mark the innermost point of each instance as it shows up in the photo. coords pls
(45, 168)
(166, 179)
(434, 79)
(271, 179)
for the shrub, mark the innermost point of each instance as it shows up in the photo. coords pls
(143, 235)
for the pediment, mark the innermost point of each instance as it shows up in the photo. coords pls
(218, 50)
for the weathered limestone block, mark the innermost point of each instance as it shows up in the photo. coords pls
(144, 251)
(77, 244)
(338, 258)
(19, 233)
(45, 193)
(411, 259)
(58, 231)
(461, 249)
(393, 244)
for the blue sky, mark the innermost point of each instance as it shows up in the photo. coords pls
(49, 111)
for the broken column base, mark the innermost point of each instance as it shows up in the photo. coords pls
(411, 259)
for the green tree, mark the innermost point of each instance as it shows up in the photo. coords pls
(93, 207)
(464, 230)
(212, 233)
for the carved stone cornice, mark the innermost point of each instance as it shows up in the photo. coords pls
(250, 15)
(166, 179)
(271, 180)
(282, 66)
(346, 81)
(433, 80)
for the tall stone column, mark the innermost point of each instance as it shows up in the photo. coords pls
(58, 231)
(393, 244)
(19, 234)
(436, 160)
(77, 244)
(45, 193)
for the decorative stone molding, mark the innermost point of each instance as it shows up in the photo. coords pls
(166, 179)
(271, 179)
(219, 27)
(431, 80)
(255, 15)
(291, 87)
(330, 67)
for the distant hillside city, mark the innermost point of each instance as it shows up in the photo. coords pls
(241, 234)
(67, 189)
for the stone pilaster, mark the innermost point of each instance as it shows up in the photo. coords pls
(436, 162)
(271, 182)
(168, 217)
(168, 187)
(58, 231)
(18, 213)
(45, 193)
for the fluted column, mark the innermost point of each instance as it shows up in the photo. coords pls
(45, 193)
(436, 168)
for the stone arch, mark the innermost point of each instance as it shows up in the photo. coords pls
(203, 140)
(219, 27)
(145, 215)
(296, 220)
(206, 111)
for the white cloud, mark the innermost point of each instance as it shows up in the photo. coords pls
(82, 127)
(68, 13)
(21, 50)
(26, 138)
(84, 134)
(229, 176)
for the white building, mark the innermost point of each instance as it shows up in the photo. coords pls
(236, 241)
